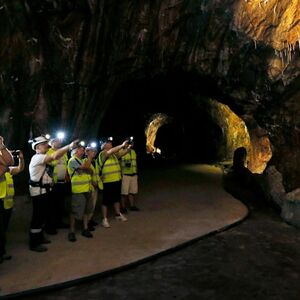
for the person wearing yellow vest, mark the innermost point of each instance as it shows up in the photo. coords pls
(97, 184)
(40, 185)
(80, 173)
(61, 189)
(8, 201)
(129, 187)
(110, 172)
(6, 160)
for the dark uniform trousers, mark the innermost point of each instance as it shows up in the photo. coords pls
(40, 206)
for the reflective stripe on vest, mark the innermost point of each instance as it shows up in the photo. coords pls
(98, 177)
(111, 170)
(95, 177)
(81, 183)
(54, 163)
(10, 191)
(2, 186)
(128, 163)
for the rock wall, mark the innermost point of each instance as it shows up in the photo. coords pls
(61, 62)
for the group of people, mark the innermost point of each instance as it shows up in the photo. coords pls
(61, 183)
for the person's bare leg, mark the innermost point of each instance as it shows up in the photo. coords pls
(131, 199)
(72, 223)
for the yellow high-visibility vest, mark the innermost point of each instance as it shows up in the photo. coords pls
(2, 186)
(10, 191)
(110, 169)
(128, 163)
(98, 177)
(81, 182)
(53, 163)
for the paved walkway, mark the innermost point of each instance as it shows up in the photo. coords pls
(178, 205)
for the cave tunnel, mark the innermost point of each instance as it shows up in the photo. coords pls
(198, 127)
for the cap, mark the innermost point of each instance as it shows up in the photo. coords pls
(38, 140)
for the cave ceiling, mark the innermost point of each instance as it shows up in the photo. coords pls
(61, 62)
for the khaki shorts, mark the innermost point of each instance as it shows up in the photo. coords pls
(81, 204)
(129, 185)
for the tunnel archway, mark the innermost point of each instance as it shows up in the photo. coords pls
(193, 133)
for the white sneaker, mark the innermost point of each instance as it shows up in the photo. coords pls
(121, 217)
(105, 223)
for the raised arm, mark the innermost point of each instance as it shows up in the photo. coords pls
(3, 169)
(115, 149)
(60, 152)
(86, 166)
(6, 157)
(20, 167)
(123, 151)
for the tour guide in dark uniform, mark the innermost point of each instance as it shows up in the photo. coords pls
(39, 187)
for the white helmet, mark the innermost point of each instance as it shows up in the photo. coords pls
(38, 140)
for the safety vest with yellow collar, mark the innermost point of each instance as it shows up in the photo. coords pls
(97, 178)
(109, 170)
(54, 164)
(128, 163)
(81, 182)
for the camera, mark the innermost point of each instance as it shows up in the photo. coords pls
(130, 140)
(15, 152)
(127, 163)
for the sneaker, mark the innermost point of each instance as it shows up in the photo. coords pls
(105, 223)
(38, 248)
(120, 217)
(86, 233)
(134, 208)
(72, 237)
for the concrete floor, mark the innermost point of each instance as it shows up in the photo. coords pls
(256, 259)
(178, 205)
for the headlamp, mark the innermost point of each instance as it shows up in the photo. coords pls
(60, 135)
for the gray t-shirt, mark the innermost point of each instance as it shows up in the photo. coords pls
(74, 164)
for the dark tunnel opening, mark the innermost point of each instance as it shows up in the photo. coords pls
(191, 135)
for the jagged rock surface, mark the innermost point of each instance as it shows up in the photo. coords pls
(61, 62)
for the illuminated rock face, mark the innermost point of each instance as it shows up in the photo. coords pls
(272, 22)
(62, 61)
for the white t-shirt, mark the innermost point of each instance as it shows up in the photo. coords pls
(36, 170)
